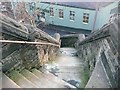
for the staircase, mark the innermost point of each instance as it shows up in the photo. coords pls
(33, 79)
(66, 68)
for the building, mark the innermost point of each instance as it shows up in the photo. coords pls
(80, 17)
(105, 13)
(68, 16)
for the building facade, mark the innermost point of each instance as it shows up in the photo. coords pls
(76, 17)
(104, 14)
(71, 16)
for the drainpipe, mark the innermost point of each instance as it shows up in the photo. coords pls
(96, 14)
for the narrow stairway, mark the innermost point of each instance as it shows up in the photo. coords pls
(66, 73)
(33, 79)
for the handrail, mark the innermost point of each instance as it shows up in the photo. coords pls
(26, 42)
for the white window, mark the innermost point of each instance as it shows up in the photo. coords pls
(60, 13)
(72, 15)
(51, 11)
(85, 18)
(42, 14)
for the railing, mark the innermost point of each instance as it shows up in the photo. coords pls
(26, 42)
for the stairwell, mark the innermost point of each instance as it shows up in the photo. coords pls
(44, 78)
(33, 79)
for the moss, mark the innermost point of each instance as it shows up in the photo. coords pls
(84, 78)
(14, 75)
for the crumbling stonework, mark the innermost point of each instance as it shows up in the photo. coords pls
(25, 55)
(101, 46)
(99, 49)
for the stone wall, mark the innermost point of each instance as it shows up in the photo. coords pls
(29, 56)
(99, 47)
(71, 40)
(25, 55)
(102, 46)
(91, 53)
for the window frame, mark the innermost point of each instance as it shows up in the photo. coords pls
(86, 18)
(72, 15)
(61, 13)
(51, 10)
(42, 14)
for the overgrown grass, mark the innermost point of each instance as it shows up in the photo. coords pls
(14, 75)
(84, 78)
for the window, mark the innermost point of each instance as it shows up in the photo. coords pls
(60, 13)
(42, 14)
(51, 11)
(72, 15)
(86, 18)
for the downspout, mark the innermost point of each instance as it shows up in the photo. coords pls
(96, 14)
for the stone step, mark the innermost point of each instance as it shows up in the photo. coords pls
(45, 81)
(20, 80)
(8, 83)
(52, 78)
(41, 82)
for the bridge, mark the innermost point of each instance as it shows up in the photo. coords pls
(29, 57)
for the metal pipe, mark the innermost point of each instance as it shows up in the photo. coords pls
(26, 42)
